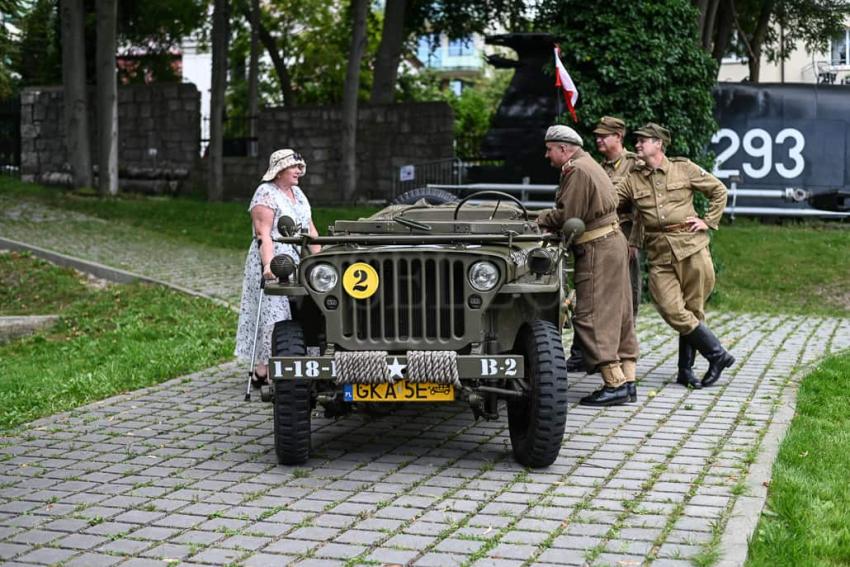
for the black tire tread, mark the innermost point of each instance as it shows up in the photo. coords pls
(539, 443)
(432, 196)
(291, 402)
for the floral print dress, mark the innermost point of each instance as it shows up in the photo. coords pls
(274, 307)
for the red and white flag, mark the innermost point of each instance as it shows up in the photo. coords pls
(565, 83)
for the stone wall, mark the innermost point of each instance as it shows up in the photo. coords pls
(158, 130)
(388, 136)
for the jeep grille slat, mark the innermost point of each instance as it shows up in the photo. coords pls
(419, 300)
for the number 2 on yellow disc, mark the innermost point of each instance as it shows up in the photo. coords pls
(360, 280)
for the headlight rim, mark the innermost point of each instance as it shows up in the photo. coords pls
(483, 263)
(312, 273)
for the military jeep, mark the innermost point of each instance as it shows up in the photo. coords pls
(425, 302)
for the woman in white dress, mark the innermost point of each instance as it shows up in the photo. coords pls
(278, 195)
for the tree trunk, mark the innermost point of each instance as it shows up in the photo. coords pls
(389, 53)
(277, 60)
(107, 99)
(74, 81)
(710, 24)
(215, 178)
(757, 40)
(725, 26)
(253, 97)
(348, 163)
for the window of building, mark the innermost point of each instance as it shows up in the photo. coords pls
(840, 48)
(460, 47)
(456, 86)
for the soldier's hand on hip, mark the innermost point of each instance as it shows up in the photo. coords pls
(696, 224)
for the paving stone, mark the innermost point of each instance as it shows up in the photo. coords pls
(217, 556)
(391, 556)
(439, 560)
(461, 546)
(48, 556)
(93, 560)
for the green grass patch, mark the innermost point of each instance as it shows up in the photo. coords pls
(799, 268)
(807, 517)
(107, 341)
(221, 225)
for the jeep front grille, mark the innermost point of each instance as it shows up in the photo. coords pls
(419, 300)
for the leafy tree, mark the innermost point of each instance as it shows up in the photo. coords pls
(625, 67)
(8, 12)
(769, 27)
(38, 59)
(455, 18)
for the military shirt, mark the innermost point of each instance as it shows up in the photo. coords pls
(664, 198)
(617, 170)
(585, 191)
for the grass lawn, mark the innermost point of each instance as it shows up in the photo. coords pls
(793, 268)
(223, 225)
(108, 340)
(807, 517)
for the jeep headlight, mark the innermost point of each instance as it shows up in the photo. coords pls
(483, 275)
(323, 277)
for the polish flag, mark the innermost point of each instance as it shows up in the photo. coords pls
(565, 83)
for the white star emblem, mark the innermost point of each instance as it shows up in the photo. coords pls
(396, 369)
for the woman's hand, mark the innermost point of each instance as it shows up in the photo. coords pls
(267, 272)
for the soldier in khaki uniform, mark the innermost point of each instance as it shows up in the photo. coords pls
(617, 163)
(603, 318)
(681, 273)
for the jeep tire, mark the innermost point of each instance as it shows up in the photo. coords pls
(536, 422)
(291, 402)
(431, 196)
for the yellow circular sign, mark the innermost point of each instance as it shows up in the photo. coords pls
(360, 280)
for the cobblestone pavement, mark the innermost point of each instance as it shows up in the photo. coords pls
(211, 271)
(185, 472)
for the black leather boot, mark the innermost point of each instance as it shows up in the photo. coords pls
(687, 354)
(575, 363)
(607, 396)
(631, 388)
(709, 346)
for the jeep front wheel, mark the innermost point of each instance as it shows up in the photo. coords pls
(537, 420)
(291, 399)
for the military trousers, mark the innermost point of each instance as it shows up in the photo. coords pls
(679, 290)
(603, 314)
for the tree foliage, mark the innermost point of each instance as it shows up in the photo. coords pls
(8, 12)
(769, 28)
(641, 61)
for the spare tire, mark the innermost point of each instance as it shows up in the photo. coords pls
(431, 196)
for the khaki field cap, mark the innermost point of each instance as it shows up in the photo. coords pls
(610, 125)
(281, 160)
(653, 130)
(564, 134)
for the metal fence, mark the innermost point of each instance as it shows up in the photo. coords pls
(543, 196)
(237, 139)
(10, 136)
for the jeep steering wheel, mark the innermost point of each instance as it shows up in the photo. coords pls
(499, 194)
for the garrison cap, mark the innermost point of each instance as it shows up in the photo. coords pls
(610, 125)
(653, 130)
(564, 134)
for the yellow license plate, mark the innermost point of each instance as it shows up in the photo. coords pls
(401, 391)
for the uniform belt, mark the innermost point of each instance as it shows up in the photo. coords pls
(681, 227)
(597, 233)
